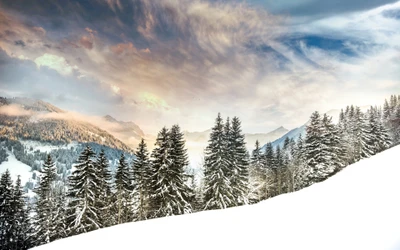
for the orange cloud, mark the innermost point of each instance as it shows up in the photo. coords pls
(86, 42)
(123, 47)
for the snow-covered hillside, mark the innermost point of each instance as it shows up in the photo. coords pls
(358, 208)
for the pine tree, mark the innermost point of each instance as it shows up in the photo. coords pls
(141, 178)
(82, 214)
(20, 229)
(103, 201)
(361, 133)
(45, 203)
(218, 192)
(59, 220)
(258, 175)
(315, 151)
(332, 148)
(239, 163)
(6, 211)
(123, 186)
(272, 170)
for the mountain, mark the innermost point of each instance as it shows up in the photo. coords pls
(196, 142)
(343, 212)
(264, 137)
(295, 133)
(27, 119)
(128, 132)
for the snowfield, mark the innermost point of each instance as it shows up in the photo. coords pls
(16, 168)
(359, 208)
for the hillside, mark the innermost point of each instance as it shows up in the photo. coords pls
(356, 209)
(26, 119)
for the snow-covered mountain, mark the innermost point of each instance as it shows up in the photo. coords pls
(357, 208)
(26, 119)
(31, 129)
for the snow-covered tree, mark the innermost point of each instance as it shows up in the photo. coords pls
(218, 192)
(20, 228)
(83, 214)
(103, 200)
(316, 151)
(171, 195)
(238, 163)
(45, 204)
(123, 193)
(257, 175)
(6, 211)
(142, 181)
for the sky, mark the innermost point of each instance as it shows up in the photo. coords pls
(158, 63)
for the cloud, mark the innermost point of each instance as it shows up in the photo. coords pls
(86, 42)
(55, 62)
(14, 110)
(19, 43)
(160, 62)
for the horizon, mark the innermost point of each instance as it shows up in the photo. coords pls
(158, 63)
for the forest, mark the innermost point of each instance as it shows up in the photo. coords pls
(156, 184)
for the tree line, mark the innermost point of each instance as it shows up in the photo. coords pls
(155, 184)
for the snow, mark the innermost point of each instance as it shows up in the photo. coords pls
(16, 168)
(358, 208)
(45, 147)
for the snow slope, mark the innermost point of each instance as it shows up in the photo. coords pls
(358, 208)
(16, 168)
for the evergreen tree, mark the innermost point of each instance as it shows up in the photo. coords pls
(123, 186)
(272, 170)
(83, 214)
(6, 210)
(45, 203)
(141, 179)
(239, 163)
(20, 229)
(103, 201)
(315, 150)
(258, 175)
(332, 147)
(218, 192)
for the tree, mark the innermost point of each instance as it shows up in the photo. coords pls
(103, 201)
(45, 203)
(218, 192)
(332, 147)
(239, 163)
(272, 170)
(83, 214)
(6, 212)
(123, 186)
(315, 151)
(169, 162)
(141, 178)
(20, 228)
(257, 176)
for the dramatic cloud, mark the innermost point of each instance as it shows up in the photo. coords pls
(162, 62)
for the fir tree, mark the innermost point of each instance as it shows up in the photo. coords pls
(239, 163)
(141, 179)
(103, 201)
(6, 210)
(123, 186)
(315, 150)
(218, 192)
(83, 214)
(45, 203)
(258, 175)
(20, 229)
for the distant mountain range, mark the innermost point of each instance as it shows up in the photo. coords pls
(295, 133)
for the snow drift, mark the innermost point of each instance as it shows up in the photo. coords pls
(359, 208)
